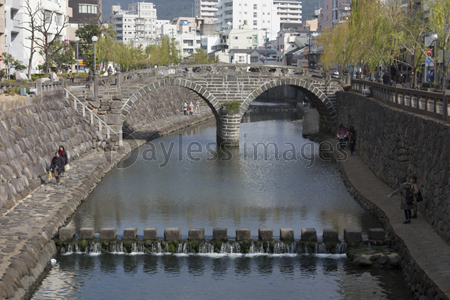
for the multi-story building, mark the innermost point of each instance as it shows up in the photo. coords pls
(158, 27)
(191, 33)
(17, 39)
(205, 8)
(85, 11)
(2, 31)
(260, 15)
(341, 11)
(290, 11)
(326, 15)
(137, 24)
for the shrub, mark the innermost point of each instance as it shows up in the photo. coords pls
(10, 90)
(232, 106)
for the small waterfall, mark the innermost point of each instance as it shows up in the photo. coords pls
(230, 248)
(206, 248)
(341, 248)
(182, 248)
(116, 248)
(94, 248)
(137, 248)
(156, 247)
(281, 248)
(255, 249)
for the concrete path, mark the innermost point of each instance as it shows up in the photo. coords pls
(27, 228)
(426, 247)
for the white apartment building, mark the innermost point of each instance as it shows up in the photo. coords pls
(17, 41)
(205, 8)
(137, 24)
(158, 27)
(290, 11)
(261, 15)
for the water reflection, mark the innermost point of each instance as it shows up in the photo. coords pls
(231, 189)
(115, 276)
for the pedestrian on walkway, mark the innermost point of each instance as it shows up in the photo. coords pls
(352, 139)
(191, 105)
(185, 106)
(57, 167)
(406, 204)
(415, 188)
(342, 134)
(197, 107)
(386, 78)
(62, 152)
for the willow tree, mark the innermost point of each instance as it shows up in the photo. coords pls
(166, 52)
(439, 15)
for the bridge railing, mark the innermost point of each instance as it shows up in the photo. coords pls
(417, 101)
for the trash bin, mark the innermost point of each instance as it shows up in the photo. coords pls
(23, 91)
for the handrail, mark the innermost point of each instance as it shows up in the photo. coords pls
(76, 101)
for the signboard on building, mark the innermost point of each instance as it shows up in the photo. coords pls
(255, 41)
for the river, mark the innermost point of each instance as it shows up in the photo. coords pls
(276, 179)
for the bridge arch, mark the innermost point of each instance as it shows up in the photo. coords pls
(326, 109)
(207, 96)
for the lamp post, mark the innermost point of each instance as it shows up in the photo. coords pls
(95, 39)
(77, 39)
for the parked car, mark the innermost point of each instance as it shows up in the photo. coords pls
(335, 74)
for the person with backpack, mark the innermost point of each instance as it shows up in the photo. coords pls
(407, 202)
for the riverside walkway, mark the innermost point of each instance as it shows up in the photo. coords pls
(27, 229)
(424, 246)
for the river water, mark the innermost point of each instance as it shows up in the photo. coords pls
(276, 179)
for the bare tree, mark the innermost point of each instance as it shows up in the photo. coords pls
(47, 20)
(30, 26)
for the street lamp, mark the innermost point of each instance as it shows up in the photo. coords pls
(77, 39)
(95, 39)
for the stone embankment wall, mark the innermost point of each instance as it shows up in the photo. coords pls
(394, 144)
(29, 137)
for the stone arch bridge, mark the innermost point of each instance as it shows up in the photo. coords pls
(217, 84)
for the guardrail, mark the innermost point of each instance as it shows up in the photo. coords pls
(93, 116)
(417, 101)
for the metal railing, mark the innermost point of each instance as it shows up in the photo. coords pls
(93, 116)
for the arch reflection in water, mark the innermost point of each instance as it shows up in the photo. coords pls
(137, 277)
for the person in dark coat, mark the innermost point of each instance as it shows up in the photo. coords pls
(62, 152)
(405, 187)
(352, 139)
(57, 167)
(386, 78)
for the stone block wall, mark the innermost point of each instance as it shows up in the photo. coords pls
(395, 143)
(29, 137)
(281, 94)
(160, 103)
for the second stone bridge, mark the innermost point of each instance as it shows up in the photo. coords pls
(218, 84)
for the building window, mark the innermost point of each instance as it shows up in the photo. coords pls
(255, 6)
(254, 59)
(235, 37)
(241, 59)
(255, 15)
(59, 19)
(87, 9)
(48, 16)
(255, 23)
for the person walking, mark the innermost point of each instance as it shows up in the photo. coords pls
(407, 204)
(385, 78)
(57, 167)
(352, 139)
(62, 152)
(185, 107)
(415, 188)
(197, 107)
(342, 134)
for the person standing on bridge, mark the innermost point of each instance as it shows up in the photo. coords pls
(342, 134)
(405, 190)
(185, 107)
